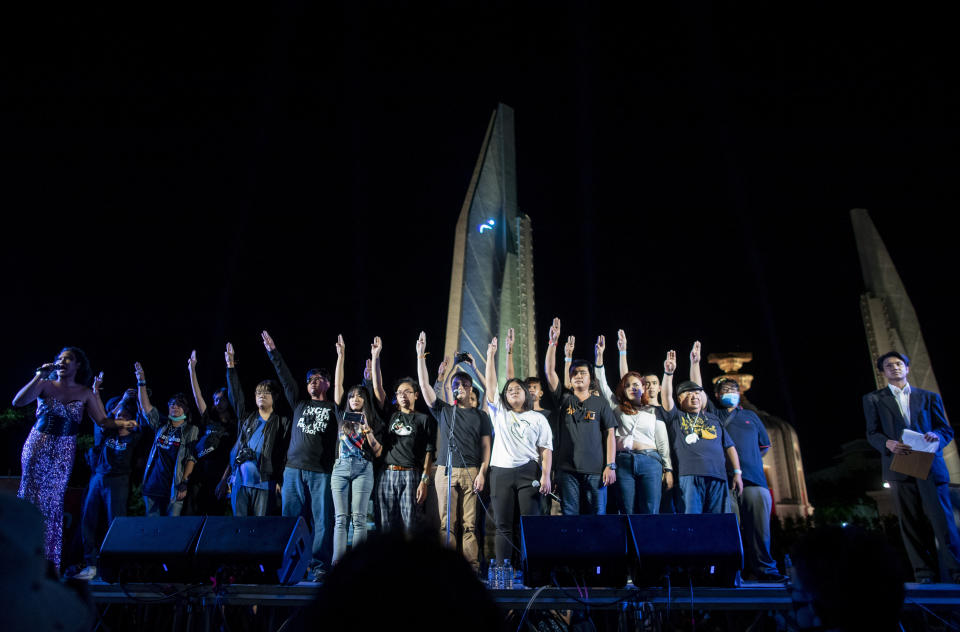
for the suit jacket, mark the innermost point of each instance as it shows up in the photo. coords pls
(884, 421)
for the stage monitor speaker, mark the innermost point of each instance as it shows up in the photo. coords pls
(571, 550)
(255, 549)
(703, 547)
(150, 549)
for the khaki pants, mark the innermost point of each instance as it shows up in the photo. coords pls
(463, 511)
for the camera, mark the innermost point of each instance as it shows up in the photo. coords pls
(462, 356)
(353, 417)
(245, 454)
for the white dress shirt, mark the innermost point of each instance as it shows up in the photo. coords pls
(903, 399)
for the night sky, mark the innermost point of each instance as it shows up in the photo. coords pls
(178, 177)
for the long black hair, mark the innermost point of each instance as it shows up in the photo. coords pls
(84, 373)
(369, 412)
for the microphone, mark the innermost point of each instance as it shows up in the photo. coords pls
(536, 485)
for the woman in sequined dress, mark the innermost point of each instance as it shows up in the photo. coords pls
(63, 396)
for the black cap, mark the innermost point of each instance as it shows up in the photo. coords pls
(688, 386)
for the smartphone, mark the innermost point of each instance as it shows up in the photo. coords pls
(353, 416)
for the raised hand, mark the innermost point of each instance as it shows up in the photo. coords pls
(470, 360)
(268, 343)
(670, 363)
(192, 361)
(230, 356)
(555, 331)
(621, 340)
(600, 347)
(568, 348)
(508, 343)
(376, 347)
(367, 374)
(695, 353)
(442, 369)
(340, 346)
(492, 347)
(422, 344)
(98, 383)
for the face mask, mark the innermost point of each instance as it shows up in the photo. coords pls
(177, 418)
(730, 399)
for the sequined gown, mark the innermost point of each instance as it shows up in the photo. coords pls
(46, 461)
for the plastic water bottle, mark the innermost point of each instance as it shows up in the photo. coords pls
(492, 575)
(508, 575)
(500, 579)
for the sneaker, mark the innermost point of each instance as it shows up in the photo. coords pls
(87, 574)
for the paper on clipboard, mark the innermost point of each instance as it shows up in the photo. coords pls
(917, 442)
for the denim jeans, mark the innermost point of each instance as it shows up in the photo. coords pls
(162, 506)
(307, 494)
(577, 488)
(703, 494)
(639, 475)
(106, 497)
(350, 485)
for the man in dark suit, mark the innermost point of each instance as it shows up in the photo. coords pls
(920, 504)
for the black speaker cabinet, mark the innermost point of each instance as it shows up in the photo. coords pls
(150, 549)
(703, 547)
(254, 549)
(572, 550)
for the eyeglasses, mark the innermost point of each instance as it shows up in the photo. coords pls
(406, 392)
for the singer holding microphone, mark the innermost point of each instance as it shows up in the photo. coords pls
(522, 453)
(63, 396)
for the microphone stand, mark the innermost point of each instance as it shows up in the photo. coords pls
(450, 446)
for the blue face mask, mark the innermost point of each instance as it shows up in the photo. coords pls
(730, 399)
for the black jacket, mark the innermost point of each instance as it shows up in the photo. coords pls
(276, 434)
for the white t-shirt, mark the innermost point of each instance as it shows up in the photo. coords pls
(517, 436)
(641, 428)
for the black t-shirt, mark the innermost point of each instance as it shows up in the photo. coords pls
(704, 457)
(164, 462)
(117, 453)
(212, 449)
(579, 431)
(313, 436)
(408, 438)
(469, 428)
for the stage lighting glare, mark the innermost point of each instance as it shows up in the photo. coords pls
(886, 485)
(488, 226)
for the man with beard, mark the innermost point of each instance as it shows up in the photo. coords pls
(306, 477)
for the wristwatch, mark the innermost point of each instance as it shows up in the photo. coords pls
(424, 479)
(612, 466)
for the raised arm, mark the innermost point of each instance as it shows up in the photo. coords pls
(429, 395)
(338, 373)
(291, 389)
(379, 393)
(622, 348)
(234, 389)
(476, 373)
(509, 346)
(601, 373)
(491, 395)
(666, 384)
(695, 364)
(550, 359)
(568, 359)
(143, 397)
(34, 388)
(440, 386)
(195, 383)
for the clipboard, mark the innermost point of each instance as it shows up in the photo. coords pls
(916, 464)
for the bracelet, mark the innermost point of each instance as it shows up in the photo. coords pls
(141, 383)
(738, 471)
(566, 359)
(424, 479)
(422, 356)
(623, 353)
(670, 373)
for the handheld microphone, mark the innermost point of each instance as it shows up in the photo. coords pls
(536, 485)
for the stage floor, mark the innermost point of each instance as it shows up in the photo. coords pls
(749, 596)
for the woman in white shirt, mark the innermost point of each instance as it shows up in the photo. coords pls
(643, 447)
(522, 453)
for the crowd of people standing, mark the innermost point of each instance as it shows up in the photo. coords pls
(596, 449)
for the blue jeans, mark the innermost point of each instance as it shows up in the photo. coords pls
(639, 475)
(703, 494)
(307, 494)
(162, 506)
(106, 496)
(350, 485)
(577, 488)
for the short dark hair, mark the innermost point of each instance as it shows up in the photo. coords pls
(273, 387)
(576, 364)
(530, 381)
(723, 381)
(891, 354)
(461, 376)
(325, 374)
